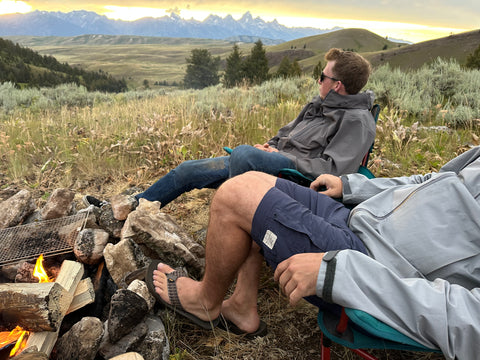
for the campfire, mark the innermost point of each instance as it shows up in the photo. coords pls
(18, 336)
(71, 282)
(39, 308)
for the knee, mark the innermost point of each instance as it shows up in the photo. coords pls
(232, 191)
(242, 155)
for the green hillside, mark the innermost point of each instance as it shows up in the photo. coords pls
(162, 60)
(27, 68)
(137, 58)
(359, 40)
(413, 56)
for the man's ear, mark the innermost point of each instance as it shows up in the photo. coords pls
(340, 88)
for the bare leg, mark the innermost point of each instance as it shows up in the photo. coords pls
(228, 249)
(241, 307)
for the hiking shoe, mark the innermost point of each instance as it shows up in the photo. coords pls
(90, 200)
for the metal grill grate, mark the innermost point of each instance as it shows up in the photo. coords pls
(49, 237)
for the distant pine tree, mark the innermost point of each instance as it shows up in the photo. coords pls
(255, 67)
(473, 60)
(202, 70)
(233, 70)
(284, 68)
(317, 70)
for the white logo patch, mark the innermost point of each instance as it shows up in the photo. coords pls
(269, 239)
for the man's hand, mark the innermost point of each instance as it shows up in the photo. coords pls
(265, 147)
(332, 183)
(298, 274)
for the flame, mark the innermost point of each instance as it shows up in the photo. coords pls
(39, 271)
(17, 335)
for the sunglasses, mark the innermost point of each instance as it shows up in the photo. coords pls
(323, 76)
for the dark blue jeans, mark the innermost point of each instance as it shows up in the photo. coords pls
(211, 173)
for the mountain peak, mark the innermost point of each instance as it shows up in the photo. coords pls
(80, 22)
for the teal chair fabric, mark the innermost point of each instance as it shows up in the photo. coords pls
(360, 330)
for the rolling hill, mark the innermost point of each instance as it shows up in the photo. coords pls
(413, 56)
(158, 59)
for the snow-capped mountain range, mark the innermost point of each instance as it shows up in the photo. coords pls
(44, 23)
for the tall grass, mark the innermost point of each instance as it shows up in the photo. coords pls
(133, 135)
(56, 137)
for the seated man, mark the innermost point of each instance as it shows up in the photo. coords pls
(330, 135)
(408, 253)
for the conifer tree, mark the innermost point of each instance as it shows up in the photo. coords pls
(233, 69)
(202, 70)
(284, 68)
(255, 66)
(317, 70)
(473, 60)
(295, 69)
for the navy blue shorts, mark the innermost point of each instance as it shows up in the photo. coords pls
(293, 219)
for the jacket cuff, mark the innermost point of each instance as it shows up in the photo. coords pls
(327, 273)
(346, 190)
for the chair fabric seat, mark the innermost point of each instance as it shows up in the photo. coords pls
(366, 332)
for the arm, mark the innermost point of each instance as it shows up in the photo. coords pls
(436, 314)
(357, 188)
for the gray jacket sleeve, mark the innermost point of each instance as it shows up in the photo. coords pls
(436, 314)
(358, 188)
(343, 153)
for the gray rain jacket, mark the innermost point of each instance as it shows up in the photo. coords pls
(423, 237)
(329, 136)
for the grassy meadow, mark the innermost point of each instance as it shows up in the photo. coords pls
(137, 58)
(427, 117)
(155, 59)
(105, 143)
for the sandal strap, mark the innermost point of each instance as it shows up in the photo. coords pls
(172, 286)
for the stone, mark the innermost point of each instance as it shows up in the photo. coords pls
(107, 221)
(59, 204)
(128, 356)
(123, 258)
(152, 228)
(81, 342)
(127, 310)
(89, 245)
(126, 344)
(140, 288)
(16, 209)
(155, 345)
(122, 205)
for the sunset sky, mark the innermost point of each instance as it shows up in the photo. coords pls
(412, 20)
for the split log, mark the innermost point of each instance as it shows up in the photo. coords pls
(34, 307)
(84, 295)
(69, 278)
(40, 307)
